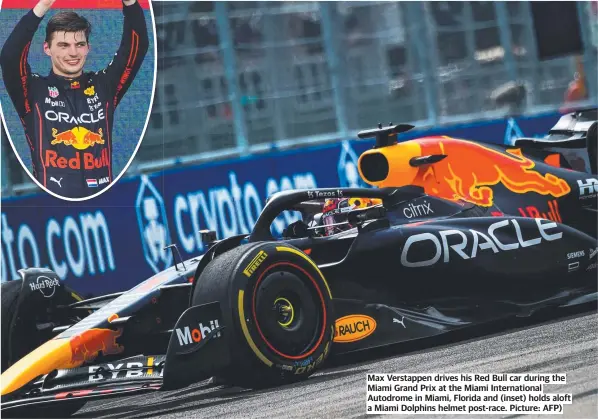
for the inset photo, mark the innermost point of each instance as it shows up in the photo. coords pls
(77, 87)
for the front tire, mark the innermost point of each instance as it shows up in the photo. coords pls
(279, 308)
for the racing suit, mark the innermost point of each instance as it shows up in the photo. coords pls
(68, 121)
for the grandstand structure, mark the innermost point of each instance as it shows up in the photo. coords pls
(236, 78)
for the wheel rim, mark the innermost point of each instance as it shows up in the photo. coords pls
(285, 310)
(289, 311)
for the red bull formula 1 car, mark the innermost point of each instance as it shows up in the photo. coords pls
(455, 234)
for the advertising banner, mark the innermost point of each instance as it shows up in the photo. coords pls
(117, 240)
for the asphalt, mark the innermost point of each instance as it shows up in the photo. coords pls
(547, 345)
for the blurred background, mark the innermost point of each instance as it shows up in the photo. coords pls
(239, 78)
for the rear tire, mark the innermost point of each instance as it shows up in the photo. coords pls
(277, 307)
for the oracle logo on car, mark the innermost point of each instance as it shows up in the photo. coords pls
(479, 241)
(187, 336)
(353, 328)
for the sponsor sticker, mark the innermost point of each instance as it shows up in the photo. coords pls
(47, 286)
(90, 91)
(575, 255)
(133, 369)
(89, 161)
(51, 102)
(401, 322)
(353, 328)
(552, 214)
(84, 118)
(187, 335)
(324, 194)
(418, 210)
(75, 85)
(255, 263)
(587, 188)
(57, 181)
(53, 91)
(481, 241)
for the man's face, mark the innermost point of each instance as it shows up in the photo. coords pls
(68, 52)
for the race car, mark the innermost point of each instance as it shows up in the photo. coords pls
(454, 234)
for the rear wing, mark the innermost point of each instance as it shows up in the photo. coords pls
(574, 130)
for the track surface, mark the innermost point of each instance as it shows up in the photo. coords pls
(567, 345)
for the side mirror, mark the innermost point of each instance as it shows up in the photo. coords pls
(208, 237)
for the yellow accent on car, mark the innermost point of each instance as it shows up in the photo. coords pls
(288, 249)
(54, 354)
(246, 332)
(288, 308)
(150, 363)
(255, 263)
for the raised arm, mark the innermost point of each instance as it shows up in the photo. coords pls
(129, 57)
(16, 71)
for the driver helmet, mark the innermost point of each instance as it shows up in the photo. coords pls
(336, 212)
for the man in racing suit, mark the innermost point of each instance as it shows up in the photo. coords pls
(68, 115)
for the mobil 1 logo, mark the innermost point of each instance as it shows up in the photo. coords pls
(196, 327)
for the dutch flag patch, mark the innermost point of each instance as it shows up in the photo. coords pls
(92, 183)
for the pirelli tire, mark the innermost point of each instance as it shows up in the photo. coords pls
(277, 307)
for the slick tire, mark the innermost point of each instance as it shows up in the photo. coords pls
(277, 308)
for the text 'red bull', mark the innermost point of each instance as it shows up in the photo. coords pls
(86, 346)
(89, 161)
(552, 214)
(470, 169)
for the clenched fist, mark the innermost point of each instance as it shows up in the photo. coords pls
(42, 7)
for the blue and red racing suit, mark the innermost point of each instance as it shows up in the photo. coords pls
(68, 122)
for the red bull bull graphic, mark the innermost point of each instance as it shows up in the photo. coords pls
(60, 353)
(78, 137)
(86, 346)
(466, 171)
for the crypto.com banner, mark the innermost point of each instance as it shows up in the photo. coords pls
(117, 240)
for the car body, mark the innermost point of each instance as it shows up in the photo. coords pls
(460, 233)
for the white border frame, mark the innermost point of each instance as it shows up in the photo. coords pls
(151, 105)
